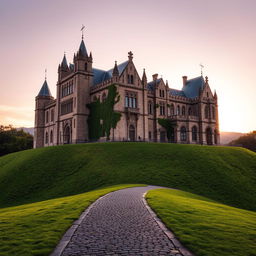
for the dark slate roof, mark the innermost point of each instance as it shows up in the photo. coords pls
(100, 75)
(193, 87)
(175, 92)
(120, 67)
(71, 66)
(82, 49)
(151, 84)
(45, 91)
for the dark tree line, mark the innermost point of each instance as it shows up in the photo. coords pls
(247, 141)
(13, 140)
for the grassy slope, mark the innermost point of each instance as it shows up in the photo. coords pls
(225, 174)
(35, 229)
(206, 228)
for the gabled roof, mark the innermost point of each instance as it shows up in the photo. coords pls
(45, 91)
(82, 49)
(151, 85)
(193, 87)
(100, 75)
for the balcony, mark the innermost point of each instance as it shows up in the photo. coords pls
(132, 110)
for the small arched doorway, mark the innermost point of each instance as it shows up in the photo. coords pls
(131, 133)
(66, 135)
(209, 136)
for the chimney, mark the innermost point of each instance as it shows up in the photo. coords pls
(154, 77)
(185, 78)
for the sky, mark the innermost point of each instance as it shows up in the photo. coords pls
(168, 37)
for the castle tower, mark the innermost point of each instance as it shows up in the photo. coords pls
(43, 98)
(73, 94)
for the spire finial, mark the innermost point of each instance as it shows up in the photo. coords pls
(202, 66)
(130, 55)
(82, 29)
(45, 74)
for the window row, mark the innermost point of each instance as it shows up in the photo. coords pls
(51, 113)
(66, 107)
(67, 89)
(130, 102)
(130, 79)
(209, 112)
(161, 93)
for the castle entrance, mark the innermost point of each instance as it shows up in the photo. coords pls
(67, 135)
(209, 136)
(162, 136)
(131, 133)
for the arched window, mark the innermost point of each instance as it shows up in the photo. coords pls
(132, 80)
(178, 110)
(51, 137)
(190, 111)
(213, 112)
(183, 134)
(206, 112)
(46, 138)
(183, 111)
(194, 133)
(104, 97)
(172, 110)
(150, 107)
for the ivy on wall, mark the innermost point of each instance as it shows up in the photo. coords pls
(102, 115)
(168, 124)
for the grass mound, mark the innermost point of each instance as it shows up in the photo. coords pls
(225, 174)
(35, 229)
(207, 228)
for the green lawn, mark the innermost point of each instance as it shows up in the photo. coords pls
(207, 228)
(224, 174)
(35, 229)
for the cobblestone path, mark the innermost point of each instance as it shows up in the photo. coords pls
(120, 224)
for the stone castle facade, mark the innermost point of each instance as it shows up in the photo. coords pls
(193, 109)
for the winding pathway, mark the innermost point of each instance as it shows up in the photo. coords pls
(119, 223)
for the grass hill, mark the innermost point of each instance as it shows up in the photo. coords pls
(224, 174)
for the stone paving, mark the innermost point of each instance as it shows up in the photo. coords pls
(120, 224)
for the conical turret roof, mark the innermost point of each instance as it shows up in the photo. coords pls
(45, 91)
(82, 49)
(64, 63)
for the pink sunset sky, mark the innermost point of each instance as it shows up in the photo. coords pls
(168, 37)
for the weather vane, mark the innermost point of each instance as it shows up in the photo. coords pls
(82, 29)
(202, 66)
(45, 73)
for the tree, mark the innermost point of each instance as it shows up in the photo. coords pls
(247, 141)
(102, 115)
(13, 140)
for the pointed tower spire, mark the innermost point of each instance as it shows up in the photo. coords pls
(144, 77)
(82, 52)
(64, 63)
(115, 70)
(45, 91)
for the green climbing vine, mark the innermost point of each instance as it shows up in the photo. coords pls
(169, 125)
(102, 115)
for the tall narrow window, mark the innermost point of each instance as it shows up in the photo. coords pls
(126, 101)
(183, 111)
(194, 133)
(178, 110)
(51, 137)
(46, 138)
(172, 110)
(183, 134)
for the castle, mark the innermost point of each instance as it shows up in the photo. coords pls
(193, 110)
